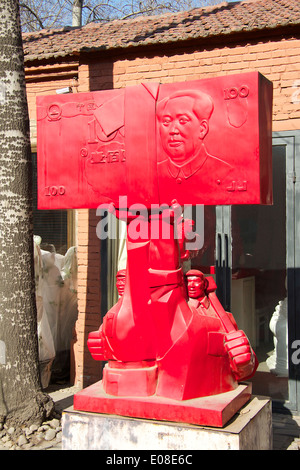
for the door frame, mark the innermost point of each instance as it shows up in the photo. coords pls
(291, 141)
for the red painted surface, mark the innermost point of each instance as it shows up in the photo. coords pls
(165, 337)
(213, 411)
(199, 142)
(202, 142)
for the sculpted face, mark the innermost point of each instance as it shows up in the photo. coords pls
(181, 130)
(121, 278)
(196, 287)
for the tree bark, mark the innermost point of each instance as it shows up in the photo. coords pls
(21, 397)
(77, 13)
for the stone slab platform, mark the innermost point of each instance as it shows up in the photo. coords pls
(249, 429)
(215, 410)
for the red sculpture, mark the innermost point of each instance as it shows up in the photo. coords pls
(121, 279)
(200, 142)
(168, 337)
(165, 343)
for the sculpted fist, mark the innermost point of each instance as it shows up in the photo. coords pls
(243, 361)
(98, 346)
(95, 345)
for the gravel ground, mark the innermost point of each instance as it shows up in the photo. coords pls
(45, 437)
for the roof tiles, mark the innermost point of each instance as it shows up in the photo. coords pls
(222, 19)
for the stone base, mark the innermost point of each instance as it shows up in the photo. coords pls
(249, 429)
(215, 410)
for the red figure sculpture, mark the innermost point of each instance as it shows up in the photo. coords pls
(164, 344)
(121, 279)
(168, 337)
(202, 297)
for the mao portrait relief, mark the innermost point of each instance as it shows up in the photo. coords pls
(183, 159)
(199, 142)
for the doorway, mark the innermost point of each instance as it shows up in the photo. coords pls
(254, 256)
(259, 282)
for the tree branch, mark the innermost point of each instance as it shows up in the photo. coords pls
(23, 5)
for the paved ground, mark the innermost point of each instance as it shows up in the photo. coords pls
(286, 432)
(62, 395)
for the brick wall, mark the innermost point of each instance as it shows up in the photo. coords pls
(35, 89)
(277, 60)
(86, 370)
(45, 79)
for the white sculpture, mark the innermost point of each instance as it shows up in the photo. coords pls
(278, 361)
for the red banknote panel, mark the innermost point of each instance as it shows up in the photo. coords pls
(199, 142)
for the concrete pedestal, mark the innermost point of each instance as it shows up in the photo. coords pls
(249, 429)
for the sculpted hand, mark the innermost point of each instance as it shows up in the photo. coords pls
(98, 346)
(242, 359)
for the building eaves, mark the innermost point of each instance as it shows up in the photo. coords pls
(199, 23)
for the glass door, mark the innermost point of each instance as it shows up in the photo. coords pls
(259, 300)
(252, 252)
(257, 276)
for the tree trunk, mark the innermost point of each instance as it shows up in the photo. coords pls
(21, 397)
(77, 13)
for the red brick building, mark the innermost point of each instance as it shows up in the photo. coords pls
(230, 38)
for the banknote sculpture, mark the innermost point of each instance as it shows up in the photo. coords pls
(143, 152)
